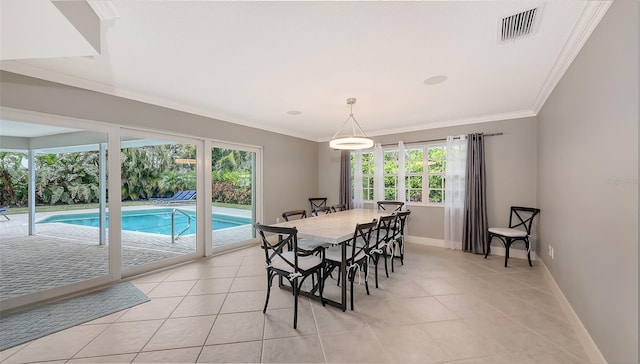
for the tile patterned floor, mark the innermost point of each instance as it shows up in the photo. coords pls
(62, 254)
(442, 306)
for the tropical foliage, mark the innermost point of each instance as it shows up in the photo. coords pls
(231, 175)
(146, 172)
(418, 180)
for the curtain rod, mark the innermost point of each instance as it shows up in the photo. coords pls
(438, 140)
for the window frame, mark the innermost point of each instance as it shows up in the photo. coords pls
(385, 151)
(368, 177)
(429, 174)
(408, 175)
(424, 175)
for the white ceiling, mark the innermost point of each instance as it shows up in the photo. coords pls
(252, 62)
(28, 130)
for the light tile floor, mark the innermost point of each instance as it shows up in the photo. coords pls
(441, 306)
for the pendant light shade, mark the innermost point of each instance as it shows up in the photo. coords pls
(358, 138)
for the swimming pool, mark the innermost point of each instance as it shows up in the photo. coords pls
(154, 221)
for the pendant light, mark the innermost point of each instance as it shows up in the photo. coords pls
(353, 141)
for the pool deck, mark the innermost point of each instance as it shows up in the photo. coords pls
(60, 254)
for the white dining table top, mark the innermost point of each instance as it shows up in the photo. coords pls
(336, 227)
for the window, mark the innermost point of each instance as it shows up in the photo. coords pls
(390, 175)
(436, 171)
(414, 170)
(422, 185)
(367, 176)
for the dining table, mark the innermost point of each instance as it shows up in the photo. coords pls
(335, 229)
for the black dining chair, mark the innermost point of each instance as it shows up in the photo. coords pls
(294, 214)
(339, 207)
(390, 205)
(357, 255)
(397, 236)
(382, 246)
(317, 202)
(520, 222)
(321, 211)
(295, 265)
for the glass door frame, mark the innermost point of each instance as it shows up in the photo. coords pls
(200, 202)
(114, 134)
(256, 194)
(34, 117)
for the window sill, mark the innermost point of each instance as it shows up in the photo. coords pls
(417, 204)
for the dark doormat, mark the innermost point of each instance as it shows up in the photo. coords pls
(39, 321)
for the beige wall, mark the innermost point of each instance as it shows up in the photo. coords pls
(289, 164)
(588, 183)
(511, 171)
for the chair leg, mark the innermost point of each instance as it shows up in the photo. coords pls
(295, 290)
(328, 272)
(321, 285)
(393, 255)
(269, 282)
(366, 275)
(401, 245)
(351, 279)
(526, 242)
(506, 254)
(375, 266)
(386, 268)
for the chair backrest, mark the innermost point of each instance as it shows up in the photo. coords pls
(360, 244)
(320, 210)
(189, 195)
(179, 195)
(338, 207)
(522, 216)
(395, 205)
(287, 238)
(294, 214)
(401, 223)
(383, 229)
(317, 202)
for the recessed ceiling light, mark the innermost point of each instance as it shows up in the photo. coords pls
(434, 80)
(294, 112)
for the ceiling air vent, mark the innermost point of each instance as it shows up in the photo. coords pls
(518, 25)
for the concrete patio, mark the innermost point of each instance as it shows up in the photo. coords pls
(60, 254)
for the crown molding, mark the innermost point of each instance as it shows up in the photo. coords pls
(453, 122)
(589, 19)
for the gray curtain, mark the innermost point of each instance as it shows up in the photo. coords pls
(474, 233)
(345, 178)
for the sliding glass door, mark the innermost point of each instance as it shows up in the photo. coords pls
(233, 195)
(52, 195)
(171, 199)
(159, 200)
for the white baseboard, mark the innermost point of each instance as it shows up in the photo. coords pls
(495, 250)
(585, 339)
(425, 241)
(513, 253)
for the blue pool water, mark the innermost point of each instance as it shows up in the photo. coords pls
(155, 221)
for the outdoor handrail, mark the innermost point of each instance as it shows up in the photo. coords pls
(173, 225)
